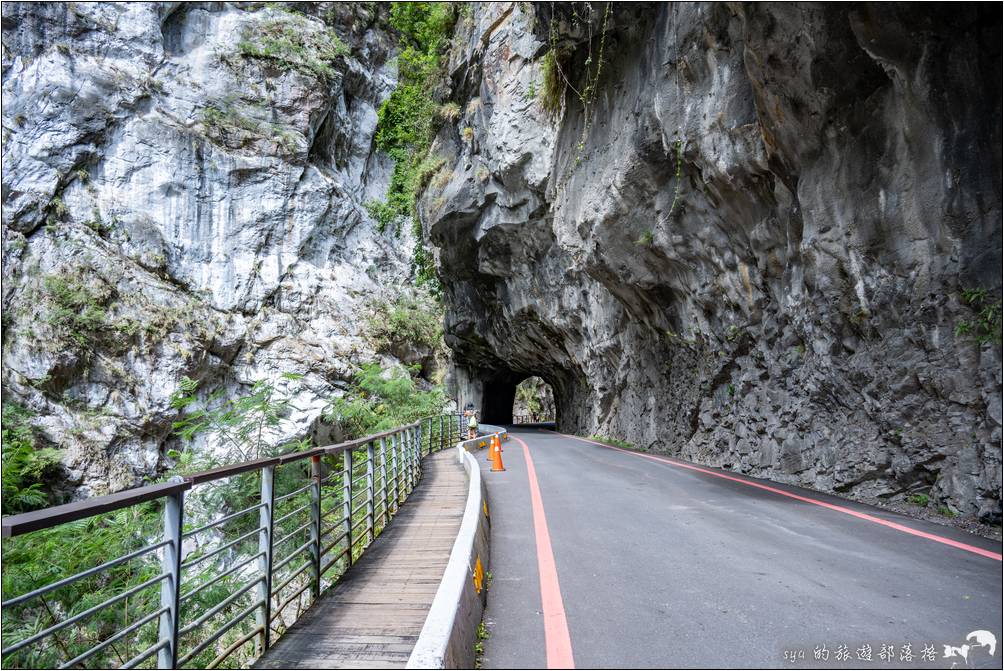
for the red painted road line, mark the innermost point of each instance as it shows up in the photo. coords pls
(840, 509)
(556, 638)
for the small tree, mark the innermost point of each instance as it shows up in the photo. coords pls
(243, 424)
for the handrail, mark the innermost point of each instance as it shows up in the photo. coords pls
(532, 419)
(36, 520)
(390, 459)
(44, 518)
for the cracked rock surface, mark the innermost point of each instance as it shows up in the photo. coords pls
(789, 307)
(208, 207)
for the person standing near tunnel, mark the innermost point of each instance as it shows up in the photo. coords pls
(472, 426)
(472, 421)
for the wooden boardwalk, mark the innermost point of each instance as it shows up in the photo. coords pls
(373, 616)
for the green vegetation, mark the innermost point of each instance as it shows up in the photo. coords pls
(552, 92)
(449, 111)
(228, 126)
(645, 239)
(18, 243)
(986, 327)
(56, 211)
(75, 308)
(558, 78)
(25, 465)
(292, 43)
(479, 645)
(918, 500)
(613, 441)
(97, 224)
(946, 511)
(382, 399)
(407, 119)
(409, 320)
(244, 425)
(527, 395)
(41, 557)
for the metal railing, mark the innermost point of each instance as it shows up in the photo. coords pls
(234, 555)
(531, 419)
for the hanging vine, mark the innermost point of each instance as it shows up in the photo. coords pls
(557, 83)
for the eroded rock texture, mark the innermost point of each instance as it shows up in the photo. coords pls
(789, 306)
(175, 205)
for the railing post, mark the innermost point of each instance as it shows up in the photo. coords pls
(416, 461)
(418, 452)
(347, 499)
(402, 443)
(265, 520)
(409, 455)
(442, 441)
(315, 519)
(384, 485)
(396, 469)
(170, 589)
(370, 494)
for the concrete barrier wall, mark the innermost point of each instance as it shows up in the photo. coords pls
(450, 631)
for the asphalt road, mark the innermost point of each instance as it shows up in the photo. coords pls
(659, 565)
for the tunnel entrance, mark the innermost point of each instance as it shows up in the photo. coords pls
(507, 394)
(534, 402)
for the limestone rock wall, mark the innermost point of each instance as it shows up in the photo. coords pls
(200, 207)
(789, 306)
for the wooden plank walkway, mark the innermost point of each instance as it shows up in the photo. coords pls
(372, 617)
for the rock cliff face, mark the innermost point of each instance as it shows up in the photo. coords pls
(764, 237)
(764, 242)
(182, 190)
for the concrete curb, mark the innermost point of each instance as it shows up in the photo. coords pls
(450, 629)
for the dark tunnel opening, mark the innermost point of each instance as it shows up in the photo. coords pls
(499, 398)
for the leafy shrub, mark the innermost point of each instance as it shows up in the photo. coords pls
(449, 111)
(552, 90)
(987, 325)
(75, 307)
(25, 466)
(410, 319)
(406, 121)
(292, 44)
(245, 424)
(226, 125)
(382, 399)
(39, 558)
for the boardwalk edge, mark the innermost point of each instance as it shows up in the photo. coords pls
(450, 630)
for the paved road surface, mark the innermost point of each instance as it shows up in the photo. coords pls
(653, 565)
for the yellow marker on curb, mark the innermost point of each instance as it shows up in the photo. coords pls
(479, 576)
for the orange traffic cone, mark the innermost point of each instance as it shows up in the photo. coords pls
(497, 455)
